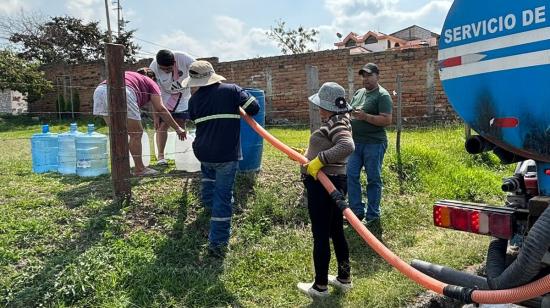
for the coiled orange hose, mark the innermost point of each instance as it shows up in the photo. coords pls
(515, 295)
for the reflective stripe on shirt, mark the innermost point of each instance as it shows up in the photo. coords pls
(217, 116)
(248, 102)
(220, 218)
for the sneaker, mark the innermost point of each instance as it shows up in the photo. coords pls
(344, 287)
(162, 162)
(373, 223)
(373, 219)
(307, 289)
(146, 172)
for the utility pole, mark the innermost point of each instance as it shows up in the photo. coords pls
(109, 33)
(118, 8)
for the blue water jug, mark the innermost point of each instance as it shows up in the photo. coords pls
(91, 153)
(67, 151)
(252, 143)
(44, 148)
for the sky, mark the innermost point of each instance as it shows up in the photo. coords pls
(235, 29)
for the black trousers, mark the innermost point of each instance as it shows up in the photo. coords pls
(326, 223)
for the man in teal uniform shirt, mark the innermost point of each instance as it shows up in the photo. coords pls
(372, 113)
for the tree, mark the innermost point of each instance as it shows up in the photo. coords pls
(292, 41)
(61, 39)
(125, 39)
(23, 76)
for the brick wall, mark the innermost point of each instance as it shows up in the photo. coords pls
(81, 78)
(284, 80)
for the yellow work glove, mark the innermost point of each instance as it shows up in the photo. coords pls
(299, 150)
(314, 166)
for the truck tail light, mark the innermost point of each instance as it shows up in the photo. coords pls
(479, 219)
(500, 225)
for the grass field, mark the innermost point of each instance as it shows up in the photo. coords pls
(64, 243)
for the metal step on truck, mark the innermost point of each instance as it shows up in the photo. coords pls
(494, 65)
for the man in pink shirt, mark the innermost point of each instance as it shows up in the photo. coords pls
(140, 90)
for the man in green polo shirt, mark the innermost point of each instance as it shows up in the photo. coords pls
(372, 113)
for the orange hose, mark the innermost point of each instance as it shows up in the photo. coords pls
(515, 295)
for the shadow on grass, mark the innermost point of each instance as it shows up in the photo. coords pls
(84, 189)
(244, 189)
(334, 300)
(50, 283)
(364, 260)
(183, 273)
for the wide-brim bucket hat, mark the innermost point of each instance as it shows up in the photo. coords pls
(331, 97)
(201, 73)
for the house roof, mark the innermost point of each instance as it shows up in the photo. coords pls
(416, 26)
(359, 50)
(364, 37)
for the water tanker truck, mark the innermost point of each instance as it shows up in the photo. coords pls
(494, 65)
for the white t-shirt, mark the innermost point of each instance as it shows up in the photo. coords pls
(169, 86)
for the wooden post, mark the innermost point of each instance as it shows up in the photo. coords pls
(268, 95)
(312, 74)
(71, 94)
(58, 102)
(118, 130)
(64, 96)
(351, 82)
(398, 138)
(430, 87)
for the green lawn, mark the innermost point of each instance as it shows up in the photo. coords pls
(63, 242)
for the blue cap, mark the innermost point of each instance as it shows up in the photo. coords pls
(91, 128)
(45, 128)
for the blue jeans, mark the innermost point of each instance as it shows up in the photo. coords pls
(369, 156)
(217, 195)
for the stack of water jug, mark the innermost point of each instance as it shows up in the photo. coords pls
(73, 152)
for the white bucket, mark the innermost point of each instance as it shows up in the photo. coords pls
(170, 148)
(185, 158)
(145, 151)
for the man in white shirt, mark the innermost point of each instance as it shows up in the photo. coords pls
(170, 68)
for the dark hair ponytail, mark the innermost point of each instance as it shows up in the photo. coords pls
(145, 71)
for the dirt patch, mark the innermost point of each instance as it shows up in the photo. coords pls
(431, 299)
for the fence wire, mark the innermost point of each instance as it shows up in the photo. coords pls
(284, 109)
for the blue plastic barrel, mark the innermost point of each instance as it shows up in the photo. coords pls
(44, 148)
(252, 143)
(91, 153)
(67, 151)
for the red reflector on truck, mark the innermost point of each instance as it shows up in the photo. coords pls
(475, 219)
(500, 225)
(459, 219)
(504, 122)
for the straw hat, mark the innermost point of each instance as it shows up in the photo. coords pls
(201, 73)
